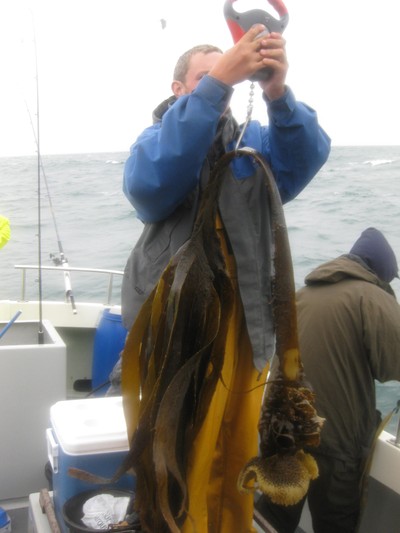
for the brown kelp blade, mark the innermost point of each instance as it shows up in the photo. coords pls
(198, 383)
(183, 313)
(288, 418)
(168, 444)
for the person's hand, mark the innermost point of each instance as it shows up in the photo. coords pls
(273, 53)
(242, 60)
(252, 53)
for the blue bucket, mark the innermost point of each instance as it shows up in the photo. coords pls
(108, 342)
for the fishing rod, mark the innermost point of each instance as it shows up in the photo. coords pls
(37, 138)
(62, 260)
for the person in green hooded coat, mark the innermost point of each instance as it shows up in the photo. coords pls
(349, 334)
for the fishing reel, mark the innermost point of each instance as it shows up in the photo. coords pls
(240, 23)
(55, 259)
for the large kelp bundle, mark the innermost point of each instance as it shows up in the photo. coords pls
(173, 358)
(288, 419)
(171, 363)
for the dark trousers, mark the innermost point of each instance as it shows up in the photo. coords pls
(333, 498)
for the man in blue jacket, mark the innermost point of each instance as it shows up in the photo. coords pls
(164, 176)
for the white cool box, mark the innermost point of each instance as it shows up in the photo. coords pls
(89, 435)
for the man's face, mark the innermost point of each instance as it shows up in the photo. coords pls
(200, 65)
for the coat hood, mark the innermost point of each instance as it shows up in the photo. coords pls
(343, 267)
(163, 108)
(377, 253)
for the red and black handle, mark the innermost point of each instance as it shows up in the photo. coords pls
(240, 23)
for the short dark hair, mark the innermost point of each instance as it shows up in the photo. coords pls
(182, 65)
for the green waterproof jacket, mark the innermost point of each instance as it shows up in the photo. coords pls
(349, 332)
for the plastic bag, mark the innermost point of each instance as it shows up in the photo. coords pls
(102, 510)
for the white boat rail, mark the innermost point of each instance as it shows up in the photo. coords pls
(110, 273)
(396, 440)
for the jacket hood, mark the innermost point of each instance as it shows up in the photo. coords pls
(163, 108)
(343, 267)
(377, 253)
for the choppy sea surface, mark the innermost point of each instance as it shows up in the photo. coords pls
(84, 211)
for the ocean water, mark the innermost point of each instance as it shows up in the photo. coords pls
(358, 187)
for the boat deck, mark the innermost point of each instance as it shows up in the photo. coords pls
(19, 519)
(23, 520)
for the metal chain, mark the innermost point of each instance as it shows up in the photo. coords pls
(249, 113)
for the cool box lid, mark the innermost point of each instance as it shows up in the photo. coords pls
(94, 425)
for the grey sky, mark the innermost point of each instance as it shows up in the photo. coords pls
(105, 64)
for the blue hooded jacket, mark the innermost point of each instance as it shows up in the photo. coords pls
(169, 165)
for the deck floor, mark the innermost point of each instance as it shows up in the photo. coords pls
(20, 521)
